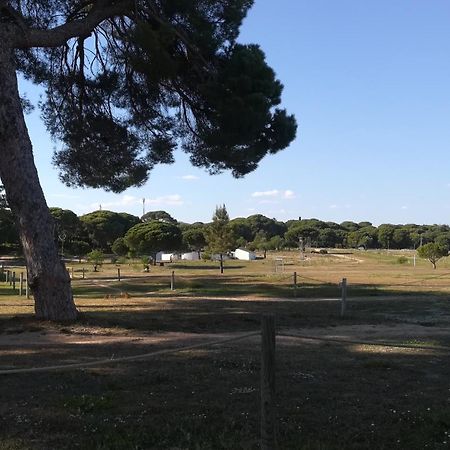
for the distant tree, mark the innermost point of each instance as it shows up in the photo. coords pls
(243, 230)
(327, 238)
(151, 237)
(119, 247)
(349, 226)
(276, 243)
(401, 238)
(162, 216)
(364, 237)
(271, 227)
(194, 239)
(261, 243)
(67, 229)
(306, 230)
(9, 234)
(433, 252)
(104, 227)
(385, 235)
(96, 258)
(443, 240)
(220, 236)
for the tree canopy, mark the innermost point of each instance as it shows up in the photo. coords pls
(433, 252)
(104, 227)
(162, 216)
(127, 82)
(152, 237)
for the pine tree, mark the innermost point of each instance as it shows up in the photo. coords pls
(220, 236)
(127, 82)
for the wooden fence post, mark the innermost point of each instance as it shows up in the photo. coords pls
(344, 296)
(83, 273)
(14, 281)
(268, 407)
(7, 276)
(21, 284)
(172, 281)
(27, 288)
(295, 284)
(118, 273)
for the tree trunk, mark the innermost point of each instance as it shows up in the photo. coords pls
(221, 263)
(47, 275)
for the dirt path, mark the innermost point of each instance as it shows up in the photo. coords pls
(375, 333)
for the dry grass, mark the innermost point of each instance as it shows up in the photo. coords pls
(330, 395)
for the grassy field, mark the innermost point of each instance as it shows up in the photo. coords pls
(335, 389)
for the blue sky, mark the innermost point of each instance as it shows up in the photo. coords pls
(369, 83)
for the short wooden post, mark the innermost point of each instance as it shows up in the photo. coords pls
(82, 271)
(27, 288)
(172, 281)
(295, 284)
(118, 273)
(14, 281)
(7, 276)
(268, 410)
(21, 284)
(10, 277)
(71, 273)
(344, 296)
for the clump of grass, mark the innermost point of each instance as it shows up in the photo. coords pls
(13, 444)
(377, 364)
(420, 343)
(85, 403)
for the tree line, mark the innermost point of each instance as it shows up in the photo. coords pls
(125, 234)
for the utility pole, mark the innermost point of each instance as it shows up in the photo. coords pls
(143, 206)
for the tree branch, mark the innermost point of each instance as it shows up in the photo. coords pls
(57, 36)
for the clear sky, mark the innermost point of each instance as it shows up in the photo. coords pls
(369, 83)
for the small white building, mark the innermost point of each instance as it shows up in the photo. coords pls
(190, 256)
(244, 255)
(167, 257)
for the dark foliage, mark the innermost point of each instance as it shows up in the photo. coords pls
(151, 76)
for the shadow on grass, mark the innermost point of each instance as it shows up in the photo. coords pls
(210, 399)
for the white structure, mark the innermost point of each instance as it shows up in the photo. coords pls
(191, 256)
(167, 257)
(244, 255)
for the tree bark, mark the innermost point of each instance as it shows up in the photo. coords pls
(221, 263)
(47, 275)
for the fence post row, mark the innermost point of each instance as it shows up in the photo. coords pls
(344, 296)
(172, 281)
(268, 410)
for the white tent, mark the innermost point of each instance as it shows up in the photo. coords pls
(244, 255)
(190, 256)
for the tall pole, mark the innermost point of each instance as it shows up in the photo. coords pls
(143, 206)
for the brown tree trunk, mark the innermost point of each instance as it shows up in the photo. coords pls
(221, 263)
(47, 275)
